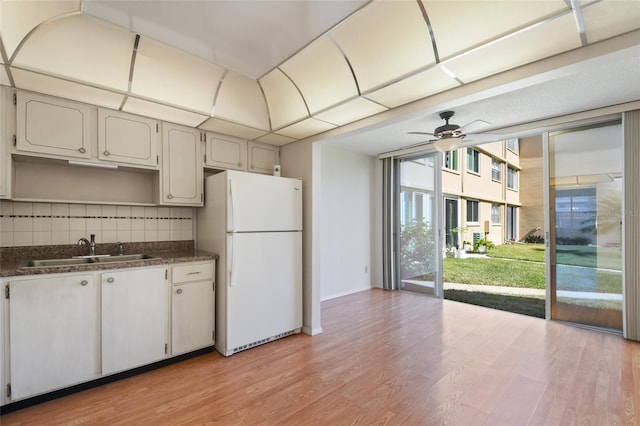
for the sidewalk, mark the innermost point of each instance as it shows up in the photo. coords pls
(517, 291)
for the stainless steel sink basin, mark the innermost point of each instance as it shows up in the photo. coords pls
(83, 260)
(125, 258)
(59, 262)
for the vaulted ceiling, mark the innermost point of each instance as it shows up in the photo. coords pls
(276, 71)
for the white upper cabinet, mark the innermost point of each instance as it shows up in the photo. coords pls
(126, 138)
(7, 122)
(182, 173)
(54, 126)
(225, 153)
(262, 157)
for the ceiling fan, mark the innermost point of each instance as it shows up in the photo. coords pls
(448, 136)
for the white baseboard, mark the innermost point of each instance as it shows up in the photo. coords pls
(344, 293)
(312, 332)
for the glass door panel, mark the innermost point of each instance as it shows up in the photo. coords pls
(585, 241)
(417, 226)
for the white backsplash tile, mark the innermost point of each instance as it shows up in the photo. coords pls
(25, 223)
(22, 209)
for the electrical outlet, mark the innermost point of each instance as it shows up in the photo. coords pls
(366, 269)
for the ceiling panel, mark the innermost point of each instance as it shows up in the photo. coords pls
(275, 139)
(162, 112)
(233, 129)
(240, 100)
(306, 128)
(538, 42)
(334, 84)
(460, 25)
(609, 18)
(80, 48)
(384, 41)
(284, 100)
(20, 17)
(350, 111)
(421, 85)
(65, 89)
(250, 37)
(174, 77)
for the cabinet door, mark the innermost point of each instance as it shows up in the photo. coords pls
(52, 333)
(7, 122)
(225, 154)
(49, 125)
(127, 138)
(263, 157)
(135, 306)
(182, 174)
(193, 316)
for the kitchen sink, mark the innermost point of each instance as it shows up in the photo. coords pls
(83, 260)
(125, 258)
(59, 262)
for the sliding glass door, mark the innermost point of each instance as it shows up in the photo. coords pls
(417, 225)
(585, 225)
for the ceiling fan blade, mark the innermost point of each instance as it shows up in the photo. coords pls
(420, 133)
(474, 125)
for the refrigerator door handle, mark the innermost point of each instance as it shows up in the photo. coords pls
(232, 209)
(232, 268)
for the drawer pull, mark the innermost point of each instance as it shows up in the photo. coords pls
(84, 282)
(170, 196)
(193, 273)
(107, 153)
(179, 291)
(82, 150)
(111, 280)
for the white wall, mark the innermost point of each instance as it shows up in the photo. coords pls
(302, 160)
(347, 211)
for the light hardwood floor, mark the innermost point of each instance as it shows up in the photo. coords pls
(384, 358)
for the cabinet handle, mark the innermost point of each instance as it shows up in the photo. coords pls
(239, 164)
(179, 291)
(82, 150)
(84, 282)
(193, 273)
(107, 153)
(169, 196)
(111, 280)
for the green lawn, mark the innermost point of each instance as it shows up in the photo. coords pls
(529, 252)
(490, 271)
(502, 268)
(522, 265)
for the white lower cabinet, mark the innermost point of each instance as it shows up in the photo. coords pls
(53, 333)
(134, 318)
(60, 330)
(192, 307)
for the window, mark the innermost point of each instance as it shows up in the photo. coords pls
(473, 160)
(495, 213)
(496, 173)
(512, 178)
(450, 160)
(512, 145)
(473, 214)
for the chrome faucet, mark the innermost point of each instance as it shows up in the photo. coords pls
(91, 244)
(120, 248)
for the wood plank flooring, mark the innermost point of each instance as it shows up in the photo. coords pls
(394, 358)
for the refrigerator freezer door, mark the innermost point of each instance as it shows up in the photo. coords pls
(258, 203)
(264, 286)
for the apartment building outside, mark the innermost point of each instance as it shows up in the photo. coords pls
(481, 191)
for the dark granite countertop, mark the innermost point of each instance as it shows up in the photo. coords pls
(13, 260)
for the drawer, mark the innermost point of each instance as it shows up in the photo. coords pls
(192, 272)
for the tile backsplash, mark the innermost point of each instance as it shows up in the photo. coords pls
(35, 224)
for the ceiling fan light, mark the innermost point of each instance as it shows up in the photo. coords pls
(447, 144)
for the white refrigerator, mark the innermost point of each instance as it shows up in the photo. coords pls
(254, 223)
